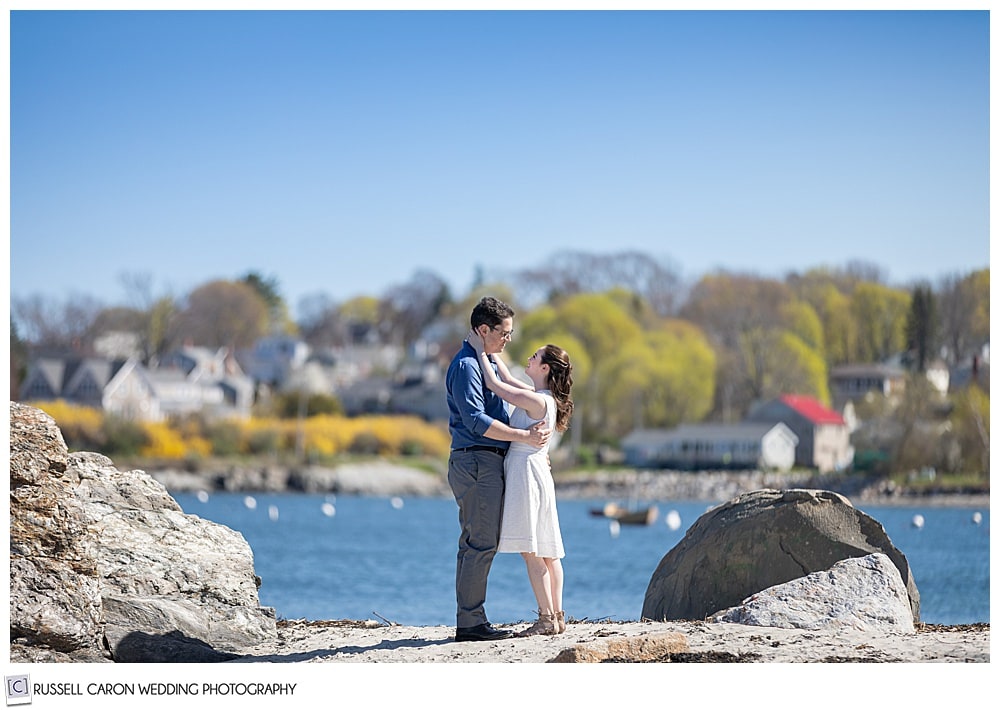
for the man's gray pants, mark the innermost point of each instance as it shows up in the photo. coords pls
(477, 481)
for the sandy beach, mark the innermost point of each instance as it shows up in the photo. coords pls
(612, 641)
(690, 664)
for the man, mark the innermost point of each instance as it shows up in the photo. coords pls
(480, 434)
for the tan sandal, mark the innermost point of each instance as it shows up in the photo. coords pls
(560, 622)
(545, 626)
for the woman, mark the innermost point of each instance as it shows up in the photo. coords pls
(530, 524)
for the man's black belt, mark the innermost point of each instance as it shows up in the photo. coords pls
(495, 449)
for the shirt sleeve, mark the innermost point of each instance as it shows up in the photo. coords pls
(468, 389)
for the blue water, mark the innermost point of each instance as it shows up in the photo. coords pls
(369, 558)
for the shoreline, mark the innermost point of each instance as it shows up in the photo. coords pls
(379, 477)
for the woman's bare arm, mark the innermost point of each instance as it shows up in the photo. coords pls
(525, 398)
(507, 377)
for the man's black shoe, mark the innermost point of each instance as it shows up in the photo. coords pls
(483, 632)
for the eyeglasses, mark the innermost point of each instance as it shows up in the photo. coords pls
(508, 334)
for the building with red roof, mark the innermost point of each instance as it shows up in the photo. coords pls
(824, 435)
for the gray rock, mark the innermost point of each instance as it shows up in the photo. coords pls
(105, 564)
(761, 539)
(55, 587)
(861, 593)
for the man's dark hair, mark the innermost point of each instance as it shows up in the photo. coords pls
(490, 311)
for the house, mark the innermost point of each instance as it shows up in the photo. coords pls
(712, 446)
(274, 358)
(939, 376)
(129, 394)
(81, 380)
(824, 436)
(187, 381)
(422, 395)
(196, 379)
(852, 382)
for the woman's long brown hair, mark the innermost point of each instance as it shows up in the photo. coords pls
(560, 383)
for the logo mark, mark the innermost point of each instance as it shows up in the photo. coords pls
(18, 689)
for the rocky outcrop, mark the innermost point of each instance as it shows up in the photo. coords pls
(761, 539)
(640, 649)
(55, 587)
(106, 566)
(861, 593)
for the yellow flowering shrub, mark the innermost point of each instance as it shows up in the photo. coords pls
(322, 435)
(80, 426)
(164, 442)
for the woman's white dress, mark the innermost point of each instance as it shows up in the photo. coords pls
(530, 522)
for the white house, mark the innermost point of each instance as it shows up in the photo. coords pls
(187, 381)
(711, 446)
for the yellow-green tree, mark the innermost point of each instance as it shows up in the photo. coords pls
(803, 322)
(630, 368)
(767, 340)
(602, 327)
(980, 323)
(793, 367)
(360, 309)
(599, 322)
(829, 295)
(971, 431)
(839, 328)
(964, 308)
(661, 379)
(880, 313)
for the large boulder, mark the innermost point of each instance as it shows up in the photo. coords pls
(106, 566)
(860, 593)
(761, 539)
(55, 587)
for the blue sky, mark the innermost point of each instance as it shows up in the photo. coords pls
(339, 152)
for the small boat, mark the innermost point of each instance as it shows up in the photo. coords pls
(627, 516)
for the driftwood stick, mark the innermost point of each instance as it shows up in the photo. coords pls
(387, 622)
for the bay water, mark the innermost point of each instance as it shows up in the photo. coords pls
(324, 557)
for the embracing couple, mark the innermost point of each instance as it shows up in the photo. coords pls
(499, 469)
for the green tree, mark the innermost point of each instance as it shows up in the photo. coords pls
(267, 288)
(159, 328)
(922, 327)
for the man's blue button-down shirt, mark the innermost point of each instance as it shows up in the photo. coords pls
(472, 406)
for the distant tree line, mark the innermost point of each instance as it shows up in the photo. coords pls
(648, 349)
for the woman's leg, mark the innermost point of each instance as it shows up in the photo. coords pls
(555, 570)
(555, 574)
(538, 575)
